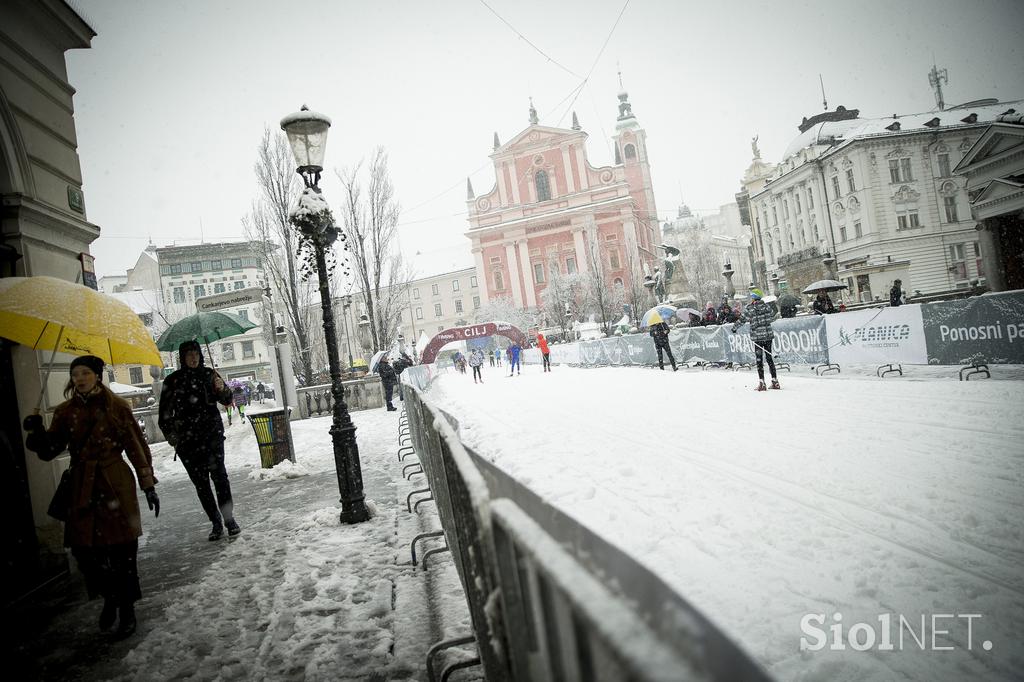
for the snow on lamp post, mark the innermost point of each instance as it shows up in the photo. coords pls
(312, 218)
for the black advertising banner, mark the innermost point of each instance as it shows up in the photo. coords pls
(987, 328)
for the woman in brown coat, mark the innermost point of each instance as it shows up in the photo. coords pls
(103, 520)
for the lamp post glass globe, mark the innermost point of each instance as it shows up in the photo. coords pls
(307, 136)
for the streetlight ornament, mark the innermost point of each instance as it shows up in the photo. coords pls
(307, 135)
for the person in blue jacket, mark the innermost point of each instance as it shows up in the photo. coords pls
(514, 351)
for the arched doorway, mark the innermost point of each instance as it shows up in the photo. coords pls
(474, 331)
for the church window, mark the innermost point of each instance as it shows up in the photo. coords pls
(944, 166)
(613, 259)
(629, 151)
(543, 186)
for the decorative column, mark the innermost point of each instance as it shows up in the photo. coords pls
(995, 279)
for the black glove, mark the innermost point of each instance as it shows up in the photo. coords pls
(153, 500)
(172, 439)
(33, 422)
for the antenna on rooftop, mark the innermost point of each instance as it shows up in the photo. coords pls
(936, 77)
(201, 241)
(824, 101)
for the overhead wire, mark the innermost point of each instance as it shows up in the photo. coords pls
(529, 42)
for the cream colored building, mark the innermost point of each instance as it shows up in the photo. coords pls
(44, 231)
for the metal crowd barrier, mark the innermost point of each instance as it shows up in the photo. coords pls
(548, 599)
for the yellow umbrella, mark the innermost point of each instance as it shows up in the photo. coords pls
(45, 313)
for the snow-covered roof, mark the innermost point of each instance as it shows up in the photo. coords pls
(140, 301)
(829, 132)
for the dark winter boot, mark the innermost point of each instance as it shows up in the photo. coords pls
(126, 624)
(775, 384)
(218, 532)
(232, 527)
(761, 386)
(108, 615)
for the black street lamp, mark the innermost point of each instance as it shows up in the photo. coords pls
(307, 135)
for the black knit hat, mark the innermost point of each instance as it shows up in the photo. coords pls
(185, 347)
(92, 362)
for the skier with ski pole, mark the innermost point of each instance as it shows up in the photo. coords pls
(760, 315)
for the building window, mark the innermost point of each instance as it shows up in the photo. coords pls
(440, 328)
(179, 294)
(472, 282)
(135, 375)
(810, 198)
(458, 306)
(215, 265)
(894, 170)
(244, 314)
(629, 151)
(817, 235)
(771, 254)
(789, 235)
(543, 186)
(900, 171)
(949, 203)
(959, 263)
(218, 288)
(785, 209)
(906, 220)
(455, 285)
(476, 302)
(434, 289)
(538, 273)
(617, 281)
(905, 172)
(978, 260)
(499, 280)
(236, 263)
(196, 267)
(775, 216)
(247, 350)
(416, 294)
(199, 291)
(835, 186)
(570, 265)
(857, 230)
(796, 197)
(842, 233)
(176, 269)
(944, 166)
(766, 218)
(613, 259)
(239, 285)
(228, 351)
(437, 310)
(419, 313)
(850, 181)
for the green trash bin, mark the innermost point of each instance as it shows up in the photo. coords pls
(273, 435)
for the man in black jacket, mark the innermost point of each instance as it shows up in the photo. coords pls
(388, 379)
(191, 422)
(896, 293)
(659, 332)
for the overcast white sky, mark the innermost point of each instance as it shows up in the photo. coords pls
(173, 97)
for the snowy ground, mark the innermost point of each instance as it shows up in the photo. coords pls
(761, 508)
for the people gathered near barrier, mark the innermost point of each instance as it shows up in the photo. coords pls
(191, 422)
(760, 317)
(96, 498)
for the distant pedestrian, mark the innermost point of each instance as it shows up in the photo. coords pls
(823, 304)
(842, 306)
(760, 317)
(497, 357)
(401, 364)
(710, 316)
(476, 361)
(240, 400)
(896, 293)
(261, 391)
(545, 351)
(102, 522)
(490, 357)
(192, 425)
(513, 358)
(659, 332)
(725, 312)
(388, 379)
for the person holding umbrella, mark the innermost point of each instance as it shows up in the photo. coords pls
(192, 425)
(760, 317)
(388, 379)
(101, 508)
(823, 304)
(659, 332)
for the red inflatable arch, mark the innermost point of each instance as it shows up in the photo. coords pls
(475, 331)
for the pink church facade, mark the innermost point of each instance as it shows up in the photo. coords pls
(549, 205)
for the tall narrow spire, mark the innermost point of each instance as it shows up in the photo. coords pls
(625, 108)
(496, 143)
(533, 114)
(575, 122)
(469, 190)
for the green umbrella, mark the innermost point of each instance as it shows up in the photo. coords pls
(203, 326)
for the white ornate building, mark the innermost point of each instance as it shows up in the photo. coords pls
(880, 195)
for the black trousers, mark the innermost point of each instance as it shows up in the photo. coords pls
(667, 349)
(389, 392)
(110, 571)
(477, 374)
(206, 463)
(547, 361)
(763, 350)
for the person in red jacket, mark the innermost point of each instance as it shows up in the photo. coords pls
(545, 352)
